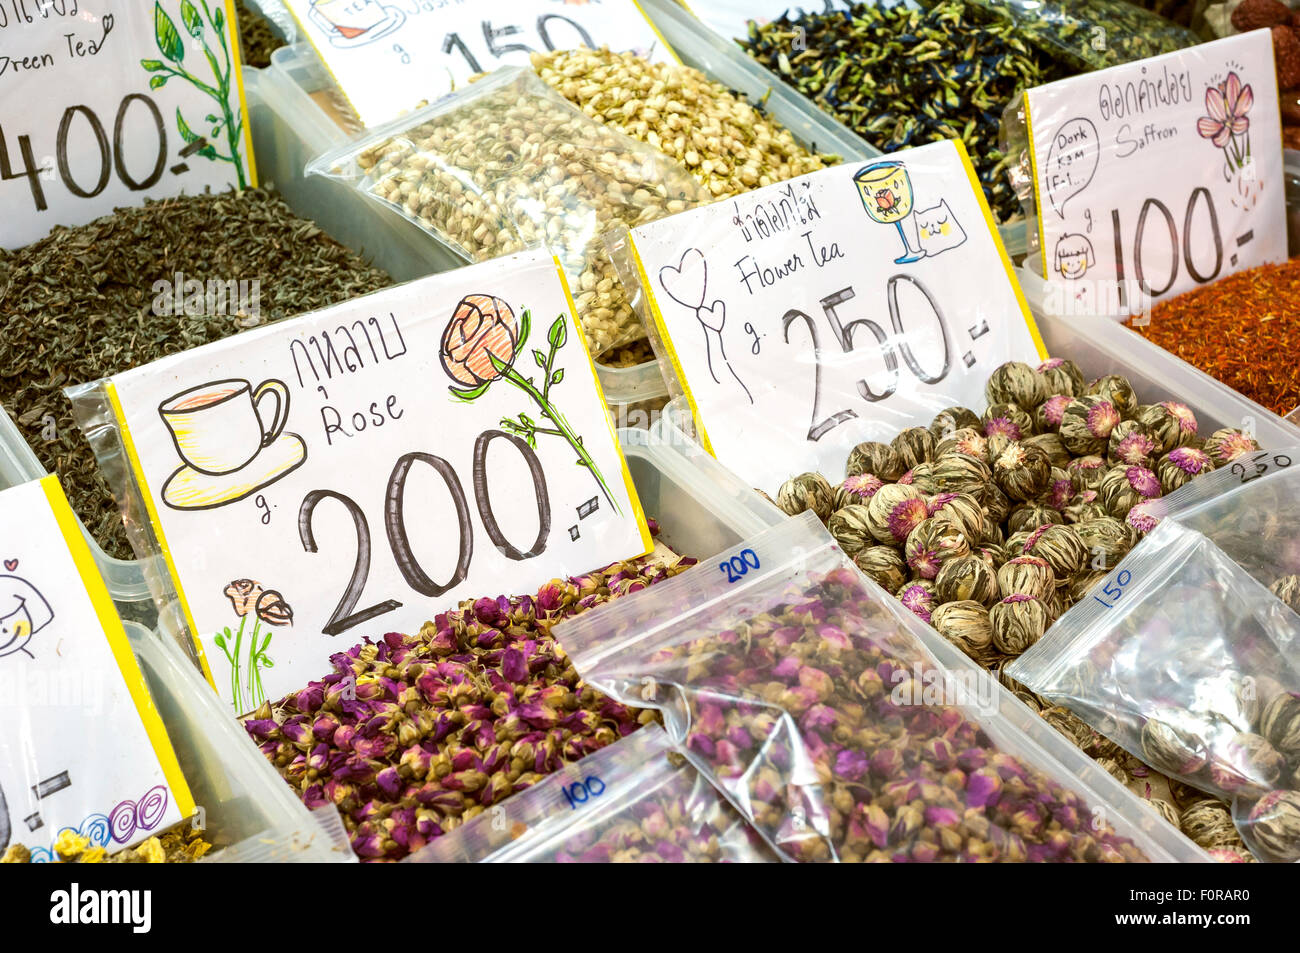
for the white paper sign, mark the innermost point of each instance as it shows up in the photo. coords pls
(388, 55)
(730, 18)
(81, 745)
(1158, 176)
(356, 470)
(105, 103)
(841, 306)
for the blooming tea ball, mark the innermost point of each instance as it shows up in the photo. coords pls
(1279, 722)
(1208, 824)
(1118, 392)
(1247, 763)
(1062, 376)
(962, 509)
(951, 420)
(1169, 746)
(1131, 443)
(967, 440)
(1171, 424)
(1026, 576)
(807, 491)
(1015, 383)
(1226, 445)
(1059, 491)
(1015, 543)
(965, 623)
(894, 511)
(877, 458)
(1050, 444)
(1107, 540)
(884, 566)
(914, 445)
(1084, 583)
(1180, 465)
(932, 543)
(1123, 487)
(1007, 420)
(1022, 471)
(922, 477)
(960, 473)
(1018, 622)
(1049, 414)
(1274, 825)
(991, 555)
(1061, 547)
(1068, 724)
(1083, 507)
(859, 488)
(1086, 425)
(1086, 472)
(1165, 809)
(918, 597)
(1287, 588)
(1146, 516)
(1030, 516)
(969, 577)
(851, 527)
(996, 504)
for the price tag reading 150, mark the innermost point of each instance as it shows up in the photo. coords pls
(105, 104)
(1159, 176)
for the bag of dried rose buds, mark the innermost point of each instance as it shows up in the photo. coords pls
(841, 729)
(635, 801)
(1187, 661)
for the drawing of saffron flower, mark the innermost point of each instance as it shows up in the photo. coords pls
(1227, 125)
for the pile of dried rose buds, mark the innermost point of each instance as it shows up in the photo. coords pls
(413, 735)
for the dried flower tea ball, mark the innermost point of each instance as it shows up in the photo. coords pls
(858, 488)
(1061, 547)
(991, 555)
(851, 527)
(994, 444)
(1049, 414)
(1116, 391)
(1015, 543)
(1145, 516)
(1068, 724)
(1287, 588)
(1279, 722)
(1026, 576)
(962, 509)
(914, 445)
(1052, 445)
(1007, 420)
(1228, 444)
(1131, 443)
(877, 458)
(1022, 471)
(894, 512)
(952, 420)
(1015, 383)
(969, 577)
(1062, 376)
(1084, 507)
(1180, 465)
(967, 440)
(807, 491)
(996, 504)
(1209, 824)
(922, 476)
(1087, 423)
(884, 566)
(932, 543)
(1184, 795)
(965, 623)
(1171, 424)
(1247, 763)
(1059, 492)
(1087, 471)
(1226, 855)
(1165, 809)
(1030, 516)
(1171, 749)
(1275, 825)
(1124, 487)
(1107, 540)
(1018, 622)
(917, 596)
(1114, 768)
(960, 473)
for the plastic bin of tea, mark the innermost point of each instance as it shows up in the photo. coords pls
(241, 795)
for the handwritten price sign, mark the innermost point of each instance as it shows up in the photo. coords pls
(1158, 176)
(81, 745)
(842, 306)
(354, 471)
(388, 55)
(106, 103)
(730, 18)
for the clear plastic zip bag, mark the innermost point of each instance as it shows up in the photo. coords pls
(508, 164)
(842, 729)
(630, 802)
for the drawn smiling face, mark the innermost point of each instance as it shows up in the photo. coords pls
(1073, 265)
(15, 632)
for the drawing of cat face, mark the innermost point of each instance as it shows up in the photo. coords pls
(937, 229)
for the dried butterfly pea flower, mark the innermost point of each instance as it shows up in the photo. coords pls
(950, 421)
(1030, 516)
(969, 577)
(1279, 722)
(913, 445)
(933, 542)
(884, 566)
(1050, 413)
(1018, 622)
(857, 489)
(965, 623)
(1209, 824)
(1275, 825)
(1171, 424)
(1063, 377)
(851, 527)
(1226, 445)
(878, 458)
(1118, 392)
(1131, 443)
(918, 597)
(1015, 383)
(894, 511)
(1052, 445)
(807, 491)
(1123, 487)
(1007, 420)
(968, 440)
(1180, 465)
(1061, 547)
(1022, 471)
(1086, 424)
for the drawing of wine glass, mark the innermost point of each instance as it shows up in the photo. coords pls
(886, 192)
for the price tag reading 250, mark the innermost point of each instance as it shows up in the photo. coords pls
(354, 471)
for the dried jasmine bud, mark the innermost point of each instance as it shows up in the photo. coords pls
(1180, 465)
(1084, 507)
(996, 504)
(1118, 392)
(1068, 724)
(1124, 487)
(1015, 383)
(1059, 492)
(965, 623)
(1022, 471)
(884, 566)
(894, 512)
(952, 420)
(961, 473)
(1026, 576)
(1018, 622)
(1030, 516)
(1287, 588)
(851, 527)
(1049, 414)
(1084, 583)
(914, 445)
(1052, 445)
(1247, 763)
(1087, 423)
(1007, 420)
(918, 597)
(1063, 377)
(1145, 516)
(1279, 722)
(1275, 825)
(1171, 424)
(859, 488)
(1165, 809)
(962, 509)
(1061, 548)
(1172, 750)
(1086, 472)
(877, 458)
(1226, 445)
(1107, 540)
(1131, 443)
(932, 543)
(1209, 824)
(807, 491)
(969, 577)
(967, 440)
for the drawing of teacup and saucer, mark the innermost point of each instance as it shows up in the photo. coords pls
(350, 23)
(227, 447)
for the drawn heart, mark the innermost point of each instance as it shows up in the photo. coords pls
(714, 316)
(687, 282)
(11, 564)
